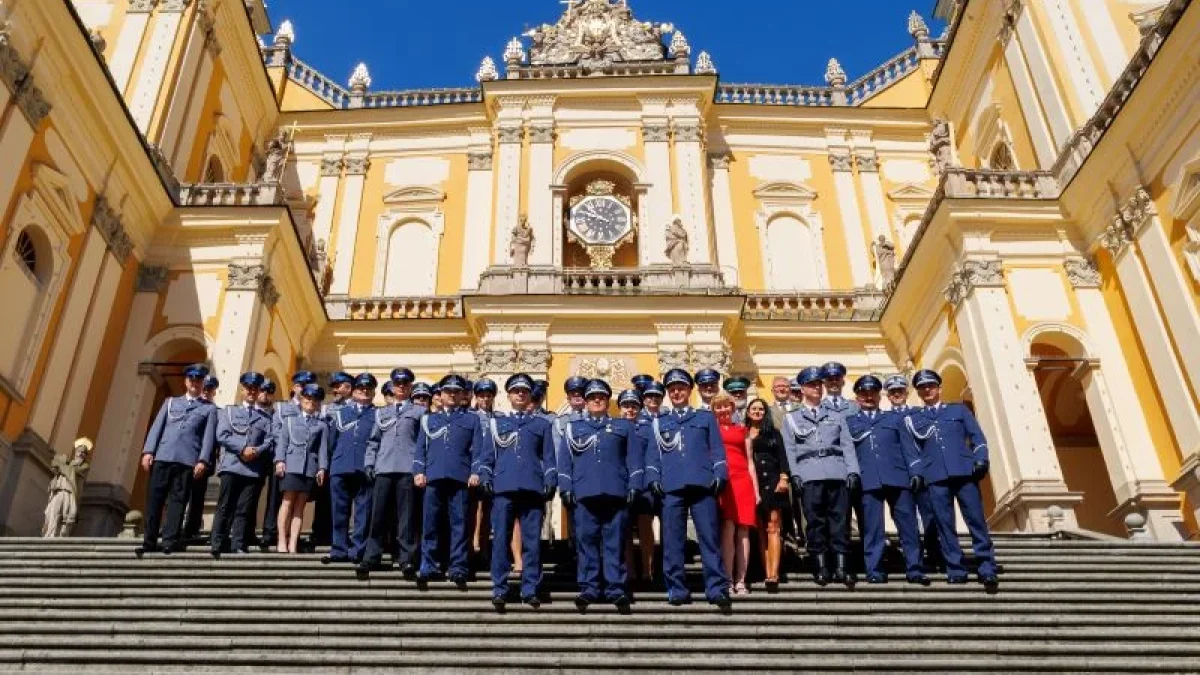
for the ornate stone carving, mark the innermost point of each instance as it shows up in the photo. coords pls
(656, 133)
(510, 134)
(277, 152)
(141, 5)
(268, 293)
(108, 223)
(720, 160)
(680, 49)
(245, 277)
(705, 65)
(33, 104)
(15, 74)
(1011, 13)
(66, 485)
(673, 358)
(360, 79)
(151, 279)
(285, 35)
(533, 360)
(717, 359)
(487, 70)
(541, 133)
(331, 166)
(174, 5)
(514, 52)
(521, 242)
(97, 40)
(615, 370)
(1116, 237)
(840, 160)
(834, 75)
(940, 146)
(867, 161)
(596, 34)
(973, 274)
(688, 132)
(357, 166)
(479, 160)
(917, 27)
(677, 241)
(885, 259)
(496, 360)
(1138, 209)
(1082, 273)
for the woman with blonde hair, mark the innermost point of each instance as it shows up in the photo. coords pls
(302, 462)
(739, 501)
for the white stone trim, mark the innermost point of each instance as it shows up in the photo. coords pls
(1179, 308)
(1035, 122)
(724, 223)
(478, 226)
(1043, 79)
(1081, 70)
(124, 54)
(185, 91)
(154, 68)
(343, 262)
(852, 228)
(427, 215)
(795, 200)
(1108, 41)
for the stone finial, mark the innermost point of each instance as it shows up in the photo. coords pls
(917, 27)
(834, 75)
(679, 46)
(360, 79)
(487, 70)
(285, 35)
(705, 65)
(514, 53)
(1136, 524)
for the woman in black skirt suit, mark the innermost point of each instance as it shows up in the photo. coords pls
(771, 464)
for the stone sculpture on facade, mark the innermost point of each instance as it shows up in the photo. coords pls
(595, 34)
(885, 260)
(66, 484)
(277, 151)
(677, 242)
(940, 146)
(521, 243)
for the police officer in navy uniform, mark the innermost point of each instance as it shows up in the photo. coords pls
(954, 458)
(887, 459)
(685, 466)
(341, 384)
(516, 468)
(247, 445)
(708, 383)
(479, 512)
(184, 430)
(422, 395)
(896, 388)
(824, 468)
(350, 491)
(600, 475)
(446, 448)
(198, 488)
(266, 403)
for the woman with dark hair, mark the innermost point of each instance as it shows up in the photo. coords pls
(771, 465)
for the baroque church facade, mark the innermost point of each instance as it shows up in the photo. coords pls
(1015, 203)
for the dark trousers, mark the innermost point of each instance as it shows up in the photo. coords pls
(270, 528)
(393, 500)
(346, 491)
(929, 528)
(197, 491)
(322, 523)
(600, 527)
(964, 491)
(904, 514)
(233, 506)
(508, 508)
(856, 506)
(827, 512)
(705, 515)
(448, 497)
(168, 487)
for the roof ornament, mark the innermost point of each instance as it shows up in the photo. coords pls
(595, 34)
(679, 46)
(286, 34)
(704, 65)
(360, 79)
(514, 53)
(487, 70)
(917, 27)
(834, 75)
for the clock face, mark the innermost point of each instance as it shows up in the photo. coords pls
(600, 220)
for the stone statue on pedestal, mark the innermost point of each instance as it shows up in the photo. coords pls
(521, 243)
(885, 259)
(277, 149)
(677, 242)
(65, 487)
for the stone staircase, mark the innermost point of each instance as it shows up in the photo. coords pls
(1064, 605)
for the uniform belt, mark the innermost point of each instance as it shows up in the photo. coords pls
(828, 452)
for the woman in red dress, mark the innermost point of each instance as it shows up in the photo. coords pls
(739, 501)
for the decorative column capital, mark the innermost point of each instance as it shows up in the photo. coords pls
(15, 74)
(246, 276)
(688, 132)
(840, 160)
(140, 6)
(1082, 273)
(973, 274)
(535, 361)
(331, 166)
(669, 359)
(357, 166)
(717, 359)
(174, 5)
(151, 278)
(541, 132)
(510, 134)
(108, 223)
(1012, 12)
(656, 132)
(479, 160)
(867, 161)
(492, 360)
(720, 160)
(1138, 210)
(1116, 237)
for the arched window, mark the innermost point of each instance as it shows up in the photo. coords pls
(791, 256)
(1002, 158)
(411, 260)
(26, 252)
(213, 171)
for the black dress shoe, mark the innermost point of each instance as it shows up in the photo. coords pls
(956, 581)
(989, 581)
(167, 550)
(679, 602)
(532, 601)
(408, 572)
(622, 602)
(918, 579)
(499, 602)
(876, 579)
(582, 601)
(722, 601)
(772, 585)
(215, 553)
(840, 575)
(139, 552)
(327, 560)
(459, 580)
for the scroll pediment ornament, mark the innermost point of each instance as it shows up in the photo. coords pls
(911, 192)
(784, 192)
(415, 196)
(595, 34)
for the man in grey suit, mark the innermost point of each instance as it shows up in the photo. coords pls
(823, 465)
(391, 449)
(184, 430)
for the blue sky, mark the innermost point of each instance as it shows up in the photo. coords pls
(409, 44)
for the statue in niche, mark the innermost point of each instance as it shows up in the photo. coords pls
(66, 483)
(277, 149)
(521, 243)
(677, 242)
(885, 259)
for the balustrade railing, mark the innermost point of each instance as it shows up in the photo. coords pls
(384, 309)
(963, 183)
(231, 194)
(421, 97)
(774, 94)
(313, 80)
(862, 305)
(883, 76)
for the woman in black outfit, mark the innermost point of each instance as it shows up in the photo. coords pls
(770, 461)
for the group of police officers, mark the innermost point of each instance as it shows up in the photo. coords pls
(425, 456)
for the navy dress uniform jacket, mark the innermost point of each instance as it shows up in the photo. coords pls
(183, 432)
(599, 458)
(885, 450)
(350, 431)
(303, 444)
(240, 427)
(447, 444)
(818, 445)
(950, 441)
(392, 445)
(685, 450)
(518, 454)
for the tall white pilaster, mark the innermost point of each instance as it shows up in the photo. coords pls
(357, 165)
(510, 137)
(723, 221)
(852, 225)
(129, 42)
(195, 72)
(479, 209)
(656, 141)
(540, 200)
(327, 189)
(155, 61)
(1031, 110)
(240, 310)
(1172, 289)
(690, 179)
(1043, 76)
(867, 162)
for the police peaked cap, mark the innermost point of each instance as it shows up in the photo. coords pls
(678, 376)
(196, 371)
(269, 386)
(794, 384)
(484, 386)
(809, 375)
(365, 381)
(211, 382)
(868, 383)
(895, 382)
(640, 382)
(340, 377)
(654, 389)
(629, 396)
(422, 389)
(453, 383)
(707, 376)
(252, 380)
(597, 386)
(832, 369)
(519, 381)
(540, 387)
(387, 389)
(313, 391)
(575, 384)
(402, 376)
(304, 377)
(733, 384)
(924, 377)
